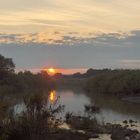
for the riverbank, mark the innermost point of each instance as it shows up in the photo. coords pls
(127, 130)
(132, 99)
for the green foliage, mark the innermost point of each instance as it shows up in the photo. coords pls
(6, 65)
(6, 70)
(115, 82)
(37, 121)
(40, 81)
(3, 110)
(11, 82)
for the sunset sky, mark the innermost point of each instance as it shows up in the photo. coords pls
(71, 35)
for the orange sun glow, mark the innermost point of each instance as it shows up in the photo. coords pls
(50, 71)
(52, 96)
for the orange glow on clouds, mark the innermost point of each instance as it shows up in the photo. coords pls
(52, 71)
(71, 70)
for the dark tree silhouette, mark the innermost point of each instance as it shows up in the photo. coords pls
(6, 67)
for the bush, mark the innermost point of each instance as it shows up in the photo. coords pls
(37, 121)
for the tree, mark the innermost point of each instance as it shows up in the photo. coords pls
(6, 67)
(6, 64)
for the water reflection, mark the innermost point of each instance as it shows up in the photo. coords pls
(73, 101)
(116, 109)
(112, 109)
(52, 96)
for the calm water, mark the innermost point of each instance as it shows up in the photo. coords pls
(112, 109)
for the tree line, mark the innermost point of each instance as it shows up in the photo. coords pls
(12, 82)
(115, 82)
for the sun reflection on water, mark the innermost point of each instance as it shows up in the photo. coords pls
(52, 96)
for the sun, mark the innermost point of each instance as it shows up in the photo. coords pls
(51, 71)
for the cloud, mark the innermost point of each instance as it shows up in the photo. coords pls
(86, 15)
(72, 50)
(53, 23)
(19, 5)
(129, 39)
(131, 61)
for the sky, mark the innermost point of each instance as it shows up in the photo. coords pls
(70, 35)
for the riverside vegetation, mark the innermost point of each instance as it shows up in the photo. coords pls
(41, 119)
(118, 82)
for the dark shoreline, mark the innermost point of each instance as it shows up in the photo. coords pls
(132, 99)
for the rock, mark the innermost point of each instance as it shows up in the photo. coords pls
(131, 121)
(95, 136)
(132, 125)
(126, 126)
(125, 121)
(91, 135)
(124, 134)
(137, 137)
(81, 131)
(127, 138)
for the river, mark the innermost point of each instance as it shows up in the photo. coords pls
(112, 109)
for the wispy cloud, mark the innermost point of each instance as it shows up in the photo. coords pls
(75, 15)
(131, 61)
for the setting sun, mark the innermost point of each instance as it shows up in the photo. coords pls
(50, 71)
